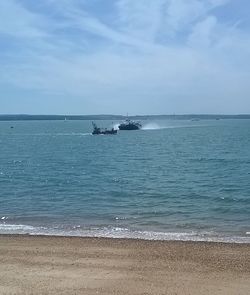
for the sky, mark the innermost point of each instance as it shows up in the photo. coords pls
(124, 56)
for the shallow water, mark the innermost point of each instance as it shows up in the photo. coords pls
(173, 179)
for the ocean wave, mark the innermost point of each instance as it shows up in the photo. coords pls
(123, 233)
(16, 228)
(155, 126)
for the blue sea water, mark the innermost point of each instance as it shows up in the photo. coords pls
(172, 180)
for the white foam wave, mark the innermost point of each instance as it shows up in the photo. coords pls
(16, 228)
(115, 126)
(155, 126)
(117, 232)
(152, 126)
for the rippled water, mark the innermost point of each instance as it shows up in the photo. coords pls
(171, 180)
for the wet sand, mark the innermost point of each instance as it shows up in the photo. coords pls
(67, 265)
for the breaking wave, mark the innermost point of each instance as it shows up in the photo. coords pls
(120, 233)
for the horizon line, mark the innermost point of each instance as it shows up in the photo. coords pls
(61, 116)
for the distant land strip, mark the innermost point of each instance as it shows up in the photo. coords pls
(24, 117)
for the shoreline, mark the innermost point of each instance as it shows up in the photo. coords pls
(121, 240)
(125, 239)
(32, 264)
(125, 233)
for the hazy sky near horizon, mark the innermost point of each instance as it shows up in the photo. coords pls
(119, 56)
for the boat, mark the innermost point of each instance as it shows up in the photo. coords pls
(130, 125)
(99, 131)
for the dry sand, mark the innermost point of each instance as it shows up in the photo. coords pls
(60, 265)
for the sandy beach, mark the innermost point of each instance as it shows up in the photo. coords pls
(65, 265)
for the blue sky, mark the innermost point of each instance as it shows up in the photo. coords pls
(119, 56)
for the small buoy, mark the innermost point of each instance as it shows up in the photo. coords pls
(11, 127)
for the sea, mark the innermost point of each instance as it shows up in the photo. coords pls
(172, 180)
